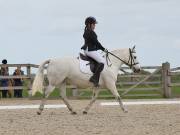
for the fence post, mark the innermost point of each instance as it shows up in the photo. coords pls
(166, 80)
(30, 79)
(29, 71)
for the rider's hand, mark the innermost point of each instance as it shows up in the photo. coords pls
(106, 50)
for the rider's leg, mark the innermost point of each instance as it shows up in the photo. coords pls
(96, 55)
(101, 61)
(95, 78)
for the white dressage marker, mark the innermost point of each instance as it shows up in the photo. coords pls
(30, 106)
(141, 103)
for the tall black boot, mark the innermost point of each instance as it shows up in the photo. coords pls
(95, 78)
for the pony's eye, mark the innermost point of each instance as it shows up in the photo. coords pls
(134, 57)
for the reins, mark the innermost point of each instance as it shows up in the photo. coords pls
(131, 60)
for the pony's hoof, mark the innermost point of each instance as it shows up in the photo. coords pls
(84, 112)
(73, 113)
(125, 111)
(38, 113)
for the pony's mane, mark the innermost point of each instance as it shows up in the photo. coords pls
(117, 50)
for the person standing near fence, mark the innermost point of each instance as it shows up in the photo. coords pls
(18, 82)
(4, 82)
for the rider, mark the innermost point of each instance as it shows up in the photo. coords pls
(91, 47)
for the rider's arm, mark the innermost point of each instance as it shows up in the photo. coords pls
(95, 41)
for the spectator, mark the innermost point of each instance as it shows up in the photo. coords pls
(4, 82)
(10, 90)
(18, 82)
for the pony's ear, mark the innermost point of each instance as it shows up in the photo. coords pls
(134, 47)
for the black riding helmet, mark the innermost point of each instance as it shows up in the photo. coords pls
(4, 61)
(90, 20)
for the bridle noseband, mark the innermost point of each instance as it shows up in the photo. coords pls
(131, 59)
(130, 62)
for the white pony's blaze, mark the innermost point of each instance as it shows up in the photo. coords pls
(63, 70)
(136, 67)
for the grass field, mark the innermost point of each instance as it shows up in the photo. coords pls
(105, 94)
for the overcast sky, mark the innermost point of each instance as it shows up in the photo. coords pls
(32, 31)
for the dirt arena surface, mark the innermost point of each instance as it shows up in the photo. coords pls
(101, 120)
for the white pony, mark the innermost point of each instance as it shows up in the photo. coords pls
(67, 70)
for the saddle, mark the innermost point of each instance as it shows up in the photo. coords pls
(91, 62)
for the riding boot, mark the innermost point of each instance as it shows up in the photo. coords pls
(95, 78)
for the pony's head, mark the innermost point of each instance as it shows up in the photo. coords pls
(133, 61)
(125, 56)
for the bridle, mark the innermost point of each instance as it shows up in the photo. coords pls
(130, 62)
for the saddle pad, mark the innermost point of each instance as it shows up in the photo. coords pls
(84, 66)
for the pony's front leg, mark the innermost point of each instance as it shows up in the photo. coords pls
(46, 93)
(113, 89)
(41, 107)
(64, 98)
(94, 97)
(121, 104)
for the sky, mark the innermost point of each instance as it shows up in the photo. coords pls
(32, 31)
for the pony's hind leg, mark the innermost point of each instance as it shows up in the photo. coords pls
(46, 93)
(64, 98)
(94, 97)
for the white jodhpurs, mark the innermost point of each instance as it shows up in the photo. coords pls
(95, 55)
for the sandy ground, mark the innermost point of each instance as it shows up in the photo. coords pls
(101, 120)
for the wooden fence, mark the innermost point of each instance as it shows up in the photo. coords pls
(162, 85)
(159, 80)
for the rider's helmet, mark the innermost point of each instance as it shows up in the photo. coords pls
(90, 20)
(4, 61)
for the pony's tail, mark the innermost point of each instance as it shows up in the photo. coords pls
(39, 78)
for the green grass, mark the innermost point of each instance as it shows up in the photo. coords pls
(106, 94)
(176, 91)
